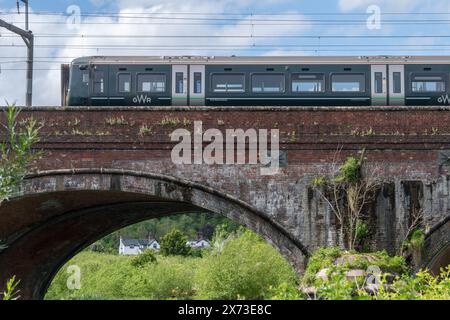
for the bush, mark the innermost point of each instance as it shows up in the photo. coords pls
(285, 291)
(108, 277)
(146, 257)
(174, 243)
(246, 268)
(350, 171)
(321, 259)
(327, 257)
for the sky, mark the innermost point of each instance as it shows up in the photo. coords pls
(66, 29)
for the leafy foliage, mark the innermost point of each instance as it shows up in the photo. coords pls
(246, 268)
(174, 243)
(321, 259)
(11, 292)
(422, 286)
(327, 258)
(16, 151)
(285, 291)
(112, 277)
(337, 287)
(350, 171)
(146, 257)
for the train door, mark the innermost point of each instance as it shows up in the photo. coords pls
(197, 85)
(99, 92)
(180, 85)
(379, 85)
(397, 85)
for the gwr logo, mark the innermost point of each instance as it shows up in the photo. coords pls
(142, 99)
(444, 99)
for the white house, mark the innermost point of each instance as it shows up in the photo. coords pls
(135, 247)
(198, 244)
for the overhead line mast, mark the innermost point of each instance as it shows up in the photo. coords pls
(28, 38)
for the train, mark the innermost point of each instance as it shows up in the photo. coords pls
(257, 81)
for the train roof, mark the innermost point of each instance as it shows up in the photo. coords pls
(263, 60)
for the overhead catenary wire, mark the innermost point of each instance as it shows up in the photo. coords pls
(231, 36)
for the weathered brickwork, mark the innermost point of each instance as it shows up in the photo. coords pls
(99, 160)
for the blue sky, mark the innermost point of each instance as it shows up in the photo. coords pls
(293, 17)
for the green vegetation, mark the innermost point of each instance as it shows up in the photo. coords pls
(422, 286)
(246, 268)
(11, 292)
(16, 152)
(143, 259)
(335, 257)
(241, 265)
(393, 282)
(174, 244)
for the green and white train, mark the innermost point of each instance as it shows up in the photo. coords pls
(258, 81)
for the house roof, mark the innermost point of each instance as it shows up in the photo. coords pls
(138, 242)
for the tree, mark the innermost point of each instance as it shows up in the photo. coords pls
(174, 243)
(348, 189)
(16, 151)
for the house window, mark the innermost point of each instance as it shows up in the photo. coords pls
(268, 83)
(426, 83)
(151, 82)
(124, 82)
(303, 82)
(99, 82)
(228, 83)
(348, 83)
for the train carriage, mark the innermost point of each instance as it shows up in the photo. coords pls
(287, 81)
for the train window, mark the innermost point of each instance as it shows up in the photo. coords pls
(85, 77)
(308, 82)
(99, 82)
(151, 82)
(348, 82)
(197, 82)
(179, 82)
(397, 82)
(428, 83)
(229, 83)
(124, 82)
(268, 83)
(378, 82)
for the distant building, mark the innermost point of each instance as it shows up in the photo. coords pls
(135, 247)
(198, 244)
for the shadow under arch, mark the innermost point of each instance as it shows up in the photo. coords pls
(436, 250)
(60, 212)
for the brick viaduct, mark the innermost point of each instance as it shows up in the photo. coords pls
(105, 168)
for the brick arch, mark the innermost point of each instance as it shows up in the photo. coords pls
(436, 251)
(60, 212)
